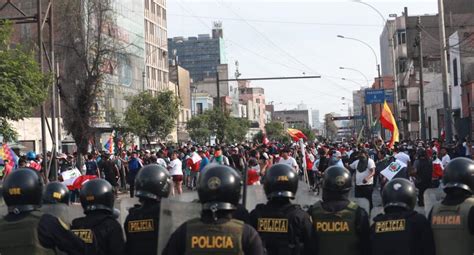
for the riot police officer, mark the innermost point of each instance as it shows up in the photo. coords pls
(284, 227)
(25, 230)
(152, 183)
(99, 228)
(215, 232)
(340, 225)
(56, 201)
(410, 230)
(453, 219)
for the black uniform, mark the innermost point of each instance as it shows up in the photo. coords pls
(284, 227)
(241, 213)
(250, 241)
(141, 229)
(100, 230)
(401, 232)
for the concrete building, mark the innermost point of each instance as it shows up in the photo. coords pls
(156, 48)
(200, 55)
(316, 122)
(293, 118)
(201, 102)
(404, 60)
(254, 99)
(180, 77)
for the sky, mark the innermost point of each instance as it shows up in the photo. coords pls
(293, 38)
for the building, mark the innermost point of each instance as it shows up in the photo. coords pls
(293, 118)
(201, 54)
(254, 100)
(201, 103)
(316, 122)
(180, 77)
(402, 58)
(156, 48)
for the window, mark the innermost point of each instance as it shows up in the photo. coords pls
(414, 113)
(153, 7)
(402, 65)
(147, 4)
(199, 109)
(257, 101)
(455, 71)
(402, 36)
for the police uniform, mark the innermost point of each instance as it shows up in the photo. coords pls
(340, 226)
(453, 219)
(24, 230)
(99, 229)
(285, 229)
(410, 230)
(141, 226)
(216, 232)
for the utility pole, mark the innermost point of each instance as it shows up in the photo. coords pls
(218, 103)
(421, 82)
(444, 72)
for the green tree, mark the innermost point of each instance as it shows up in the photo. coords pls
(309, 133)
(330, 126)
(23, 85)
(152, 116)
(220, 124)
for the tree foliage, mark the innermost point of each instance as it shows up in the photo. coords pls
(151, 116)
(220, 124)
(275, 131)
(309, 133)
(87, 48)
(23, 85)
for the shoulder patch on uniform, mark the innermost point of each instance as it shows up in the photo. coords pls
(146, 225)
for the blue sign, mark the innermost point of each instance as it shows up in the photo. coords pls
(374, 96)
(389, 95)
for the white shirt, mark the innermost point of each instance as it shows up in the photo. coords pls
(445, 160)
(403, 157)
(360, 176)
(290, 161)
(176, 167)
(161, 162)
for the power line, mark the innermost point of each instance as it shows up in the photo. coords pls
(277, 21)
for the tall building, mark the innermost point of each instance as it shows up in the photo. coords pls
(254, 100)
(316, 123)
(293, 118)
(402, 56)
(156, 45)
(201, 54)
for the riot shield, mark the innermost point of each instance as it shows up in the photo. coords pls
(362, 202)
(305, 196)
(123, 205)
(186, 197)
(432, 197)
(174, 213)
(255, 195)
(64, 212)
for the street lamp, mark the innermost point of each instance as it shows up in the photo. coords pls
(355, 70)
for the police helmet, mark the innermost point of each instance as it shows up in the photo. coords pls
(31, 155)
(459, 173)
(153, 182)
(338, 179)
(22, 191)
(55, 193)
(97, 194)
(219, 188)
(399, 192)
(280, 181)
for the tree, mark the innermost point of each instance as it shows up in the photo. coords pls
(275, 131)
(87, 49)
(220, 124)
(152, 116)
(23, 85)
(309, 134)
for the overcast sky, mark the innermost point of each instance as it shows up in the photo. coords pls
(289, 38)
